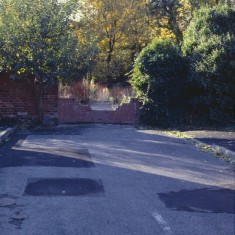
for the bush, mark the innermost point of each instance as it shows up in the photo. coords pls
(158, 79)
(111, 73)
(87, 92)
(209, 43)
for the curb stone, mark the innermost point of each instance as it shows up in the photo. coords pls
(216, 149)
(5, 134)
(221, 152)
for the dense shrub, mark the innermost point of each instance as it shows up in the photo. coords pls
(109, 74)
(209, 43)
(158, 79)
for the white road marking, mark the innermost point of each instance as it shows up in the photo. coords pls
(162, 223)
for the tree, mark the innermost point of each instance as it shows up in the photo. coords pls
(196, 4)
(209, 43)
(38, 43)
(158, 79)
(106, 24)
(122, 28)
(172, 15)
(138, 29)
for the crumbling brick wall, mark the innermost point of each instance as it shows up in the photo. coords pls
(18, 101)
(70, 111)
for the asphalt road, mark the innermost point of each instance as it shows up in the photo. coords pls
(105, 179)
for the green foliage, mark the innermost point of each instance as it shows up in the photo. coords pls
(209, 43)
(34, 38)
(158, 81)
(111, 73)
(38, 39)
(121, 30)
(38, 42)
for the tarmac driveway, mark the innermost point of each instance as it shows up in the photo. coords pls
(106, 179)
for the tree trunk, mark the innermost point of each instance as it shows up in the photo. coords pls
(174, 25)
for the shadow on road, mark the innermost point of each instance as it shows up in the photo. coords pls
(49, 157)
(205, 200)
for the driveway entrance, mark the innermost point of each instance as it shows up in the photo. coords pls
(111, 179)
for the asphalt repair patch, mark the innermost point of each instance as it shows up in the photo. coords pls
(64, 187)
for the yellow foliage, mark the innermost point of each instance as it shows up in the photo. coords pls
(21, 71)
(166, 33)
(123, 27)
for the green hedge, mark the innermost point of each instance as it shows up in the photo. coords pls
(158, 79)
(209, 44)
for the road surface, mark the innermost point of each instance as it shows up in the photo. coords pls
(115, 180)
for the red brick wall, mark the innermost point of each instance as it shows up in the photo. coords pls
(50, 103)
(72, 112)
(17, 100)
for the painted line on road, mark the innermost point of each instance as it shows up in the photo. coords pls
(162, 223)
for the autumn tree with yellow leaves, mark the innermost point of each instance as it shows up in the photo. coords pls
(123, 28)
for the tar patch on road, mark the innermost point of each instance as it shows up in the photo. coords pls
(205, 200)
(64, 187)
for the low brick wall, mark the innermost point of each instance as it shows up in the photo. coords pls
(71, 111)
(18, 101)
(50, 104)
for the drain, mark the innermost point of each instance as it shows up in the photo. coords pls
(64, 187)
